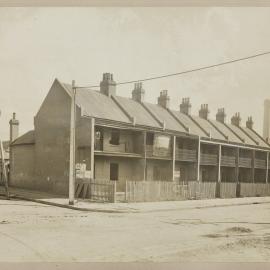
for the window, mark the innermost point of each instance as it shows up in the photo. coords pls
(149, 138)
(115, 136)
(113, 171)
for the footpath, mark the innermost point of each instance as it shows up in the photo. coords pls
(143, 207)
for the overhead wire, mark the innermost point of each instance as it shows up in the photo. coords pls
(182, 72)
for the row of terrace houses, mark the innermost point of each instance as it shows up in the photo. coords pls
(123, 139)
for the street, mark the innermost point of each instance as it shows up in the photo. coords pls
(40, 233)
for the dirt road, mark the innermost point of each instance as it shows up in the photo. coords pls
(36, 232)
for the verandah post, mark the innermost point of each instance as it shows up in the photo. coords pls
(199, 159)
(144, 153)
(173, 159)
(92, 123)
(267, 167)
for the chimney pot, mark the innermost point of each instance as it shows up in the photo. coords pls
(185, 106)
(249, 123)
(236, 119)
(164, 99)
(203, 112)
(221, 116)
(108, 85)
(13, 128)
(138, 92)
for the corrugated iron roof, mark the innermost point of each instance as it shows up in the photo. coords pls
(135, 109)
(97, 105)
(255, 137)
(121, 109)
(231, 136)
(185, 119)
(163, 115)
(209, 128)
(241, 134)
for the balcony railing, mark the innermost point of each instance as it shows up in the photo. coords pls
(245, 162)
(228, 161)
(260, 163)
(157, 152)
(186, 155)
(208, 159)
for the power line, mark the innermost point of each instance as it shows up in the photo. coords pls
(186, 71)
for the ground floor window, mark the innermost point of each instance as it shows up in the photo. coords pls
(114, 171)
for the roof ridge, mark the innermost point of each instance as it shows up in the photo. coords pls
(117, 102)
(161, 123)
(248, 135)
(255, 132)
(241, 139)
(211, 123)
(195, 122)
(178, 121)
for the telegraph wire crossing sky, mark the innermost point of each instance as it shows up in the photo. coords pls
(182, 72)
(41, 44)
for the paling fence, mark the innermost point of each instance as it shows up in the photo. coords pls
(96, 190)
(202, 190)
(228, 190)
(254, 189)
(150, 191)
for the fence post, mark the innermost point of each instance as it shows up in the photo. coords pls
(126, 191)
(114, 191)
(267, 165)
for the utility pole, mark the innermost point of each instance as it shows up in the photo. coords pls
(72, 145)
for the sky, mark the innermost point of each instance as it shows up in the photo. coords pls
(38, 45)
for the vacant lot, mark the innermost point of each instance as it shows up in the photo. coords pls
(36, 232)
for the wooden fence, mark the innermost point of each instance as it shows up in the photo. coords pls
(227, 190)
(151, 191)
(202, 190)
(96, 190)
(254, 189)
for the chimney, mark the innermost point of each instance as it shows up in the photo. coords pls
(138, 92)
(203, 112)
(249, 123)
(13, 128)
(164, 99)
(221, 115)
(236, 119)
(185, 106)
(108, 85)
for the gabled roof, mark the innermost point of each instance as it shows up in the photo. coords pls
(223, 128)
(126, 110)
(242, 134)
(209, 128)
(26, 138)
(188, 122)
(97, 105)
(136, 109)
(255, 136)
(164, 116)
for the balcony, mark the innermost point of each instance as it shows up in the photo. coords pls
(158, 152)
(245, 162)
(208, 159)
(260, 163)
(186, 155)
(228, 161)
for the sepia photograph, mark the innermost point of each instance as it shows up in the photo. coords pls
(134, 134)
